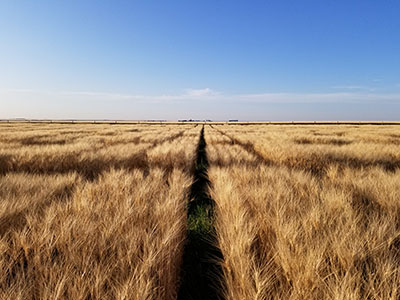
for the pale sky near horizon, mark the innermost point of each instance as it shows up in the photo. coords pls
(246, 60)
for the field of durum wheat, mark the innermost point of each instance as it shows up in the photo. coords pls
(100, 211)
(93, 212)
(308, 212)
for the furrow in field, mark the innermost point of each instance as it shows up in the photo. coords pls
(201, 272)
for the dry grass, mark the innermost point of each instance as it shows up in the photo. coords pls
(97, 211)
(288, 234)
(89, 153)
(316, 148)
(101, 215)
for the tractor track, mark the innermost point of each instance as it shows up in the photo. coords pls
(201, 272)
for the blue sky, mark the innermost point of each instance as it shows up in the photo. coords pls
(248, 60)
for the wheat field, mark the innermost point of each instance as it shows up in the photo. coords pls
(93, 212)
(308, 212)
(100, 211)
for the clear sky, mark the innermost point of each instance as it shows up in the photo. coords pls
(247, 60)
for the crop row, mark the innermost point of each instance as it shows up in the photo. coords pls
(137, 211)
(99, 216)
(285, 233)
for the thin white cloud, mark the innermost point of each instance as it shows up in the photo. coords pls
(200, 92)
(320, 97)
(100, 94)
(205, 95)
(67, 93)
(196, 105)
(20, 91)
